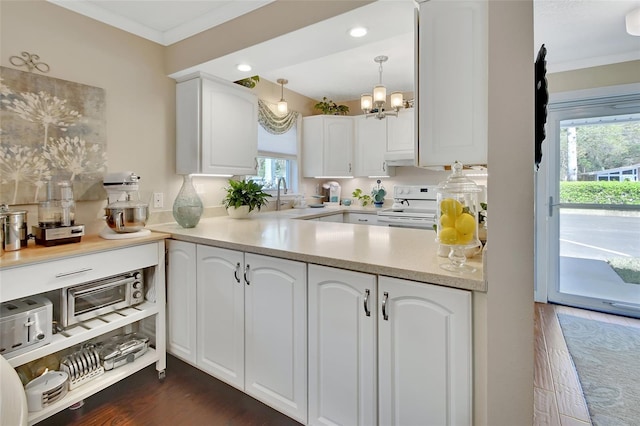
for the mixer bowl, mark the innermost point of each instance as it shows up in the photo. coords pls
(125, 219)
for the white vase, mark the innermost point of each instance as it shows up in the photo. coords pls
(241, 212)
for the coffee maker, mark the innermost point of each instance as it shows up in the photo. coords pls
(56, 216)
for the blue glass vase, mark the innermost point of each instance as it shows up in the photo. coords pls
(187, 207)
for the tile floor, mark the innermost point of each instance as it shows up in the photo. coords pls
(558, 398)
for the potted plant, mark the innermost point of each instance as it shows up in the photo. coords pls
(363, 198)
(327, 106)
(243, 197)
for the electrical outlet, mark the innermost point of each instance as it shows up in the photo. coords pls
(158, 200)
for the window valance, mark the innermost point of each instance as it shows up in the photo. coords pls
(274, 123)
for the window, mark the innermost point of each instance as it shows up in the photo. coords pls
(277, 157)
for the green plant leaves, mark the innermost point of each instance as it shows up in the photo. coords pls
(245, 193)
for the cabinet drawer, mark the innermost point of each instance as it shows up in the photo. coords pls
(41, 277)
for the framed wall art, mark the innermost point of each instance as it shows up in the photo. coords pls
(50, 130)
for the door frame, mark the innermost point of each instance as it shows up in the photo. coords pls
(546, 230)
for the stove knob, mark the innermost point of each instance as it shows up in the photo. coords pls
(137, 294)
(137, 284)
(137, 275)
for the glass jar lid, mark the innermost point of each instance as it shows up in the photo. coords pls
(457, 183)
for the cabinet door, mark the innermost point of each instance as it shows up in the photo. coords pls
(401, 136)
(342, 347)
(362, 218)
(370, 146)
(229, 129)
(216, 127)
(452, 94)
(181, 300)
(276, 334)
(220, 328)
(425, 356)
(338, 146)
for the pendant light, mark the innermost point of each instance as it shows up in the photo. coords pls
(282, 105)
(368, 102)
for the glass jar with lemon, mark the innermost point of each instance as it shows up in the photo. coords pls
(457, 213)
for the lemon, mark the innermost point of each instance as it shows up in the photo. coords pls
(464, 238)
(466, 225)
(447, 221)
(448, 235)
(451, 207)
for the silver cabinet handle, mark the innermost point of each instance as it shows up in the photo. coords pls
(235, 273)
(367, 312)
(79, 271)
(384, 166)
(246, 271)
(363, 220)
(385, 315)
(349, 167)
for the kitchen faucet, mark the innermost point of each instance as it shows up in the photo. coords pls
(284, 184)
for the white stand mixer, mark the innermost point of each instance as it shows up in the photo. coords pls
(124, 200)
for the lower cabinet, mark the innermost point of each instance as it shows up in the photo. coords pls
(249, 321)
(421, 335)
(381, 350)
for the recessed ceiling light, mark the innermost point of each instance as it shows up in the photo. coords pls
(244, 67)
(358, 32)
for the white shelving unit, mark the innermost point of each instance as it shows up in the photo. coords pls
(147, 317)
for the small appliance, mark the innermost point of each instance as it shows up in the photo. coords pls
(56, 216)
(414, 206)
(122, 349)
(125, 214)
(89, 300)
(25, 324)
(331, 191)
(82, 366)
(46, 389)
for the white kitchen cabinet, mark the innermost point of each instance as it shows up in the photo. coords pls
(370, 146)
(400, 144)
(48, 277)
(181, 300)
(361, 218)
(452, 97)
(424, 354)
(250, 321)
(216, 127)
(327, 146)
(276, 333)
(342, 347)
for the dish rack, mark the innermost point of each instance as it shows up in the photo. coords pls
(82, 366)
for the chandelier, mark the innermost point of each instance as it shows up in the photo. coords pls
(379, 98)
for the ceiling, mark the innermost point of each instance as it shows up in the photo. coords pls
(323, 60)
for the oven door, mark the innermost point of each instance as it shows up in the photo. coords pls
(93, 299)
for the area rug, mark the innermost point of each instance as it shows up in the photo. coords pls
(607, 359)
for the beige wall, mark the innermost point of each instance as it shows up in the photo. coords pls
(589, 78)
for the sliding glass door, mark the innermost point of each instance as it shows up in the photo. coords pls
(588, 245)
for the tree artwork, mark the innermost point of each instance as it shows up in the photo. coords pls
(50, 129)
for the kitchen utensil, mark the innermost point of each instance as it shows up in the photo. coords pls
(82, 366)
(46, 389)
(122, 349)
(56, 216)
(14, 228)
(126, 216)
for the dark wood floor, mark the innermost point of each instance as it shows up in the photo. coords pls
(187, 396)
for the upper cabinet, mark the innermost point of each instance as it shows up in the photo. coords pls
(452, 62)
(327, 146)
(401, 140)
(216, 127)
(371, 143)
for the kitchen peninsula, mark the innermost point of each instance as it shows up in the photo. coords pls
(319, 319)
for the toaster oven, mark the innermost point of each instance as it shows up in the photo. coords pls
(89, 300)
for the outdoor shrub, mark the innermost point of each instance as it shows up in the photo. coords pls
(600, 192)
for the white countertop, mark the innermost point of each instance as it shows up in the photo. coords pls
(397, 252)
